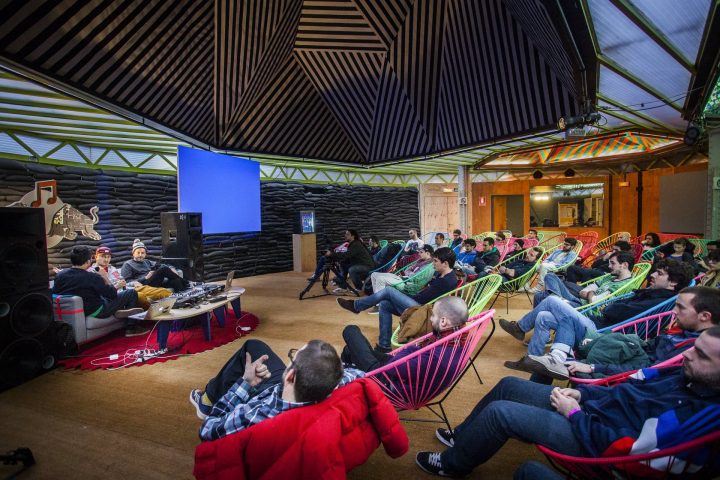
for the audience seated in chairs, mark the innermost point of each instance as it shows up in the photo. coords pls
(558, 258)
(587, 421)
(652, 240)
(413, 244)
(255, 384)
(532, 234)
(381, 280)
(712, 276)
(520, 266)
(393, 302)
(373, 245)
(487, 258)
(141, 270)
(702, 262)
(669, 278)
(518, 246)
(466, 258)
(356, 262)
(100, 298)
(681, 250)
(694, 311)
(600, 266)
(621, 265)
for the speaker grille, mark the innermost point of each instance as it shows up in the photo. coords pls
(31, 314)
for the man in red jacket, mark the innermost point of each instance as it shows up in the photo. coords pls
(246, 392)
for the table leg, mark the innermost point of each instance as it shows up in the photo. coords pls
(207, 329)
(220, 315)
(236, 307)
(162, 331)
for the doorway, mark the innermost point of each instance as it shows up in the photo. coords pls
(508, 212)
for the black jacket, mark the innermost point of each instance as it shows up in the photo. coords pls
(89, 286)
(357, 254)
(641, 300)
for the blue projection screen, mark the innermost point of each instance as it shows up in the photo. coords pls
(225, 189)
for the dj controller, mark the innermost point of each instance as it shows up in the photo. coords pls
(198, 293)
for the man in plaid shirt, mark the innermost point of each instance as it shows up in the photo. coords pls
(246, 392)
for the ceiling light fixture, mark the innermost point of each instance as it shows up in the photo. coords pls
(590, 118)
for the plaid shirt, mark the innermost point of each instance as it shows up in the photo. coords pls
(242, 406)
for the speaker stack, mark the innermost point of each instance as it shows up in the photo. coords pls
(182, 243)
(28, 336)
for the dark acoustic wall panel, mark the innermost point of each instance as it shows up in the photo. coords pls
(683, 202)
(130, 205)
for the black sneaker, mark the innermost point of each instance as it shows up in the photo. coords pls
(523, 365)
(445, 436)
(348, 305)
(381, 349)
(513, 329)
(430, 462)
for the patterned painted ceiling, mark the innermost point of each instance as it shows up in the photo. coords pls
(354, 81)
(400, 85)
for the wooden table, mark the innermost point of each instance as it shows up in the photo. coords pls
(203, 309)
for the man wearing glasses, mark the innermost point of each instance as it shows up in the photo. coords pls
(247, 391)
(457, 239)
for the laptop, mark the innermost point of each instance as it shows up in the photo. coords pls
(156, 309)
(229, 280)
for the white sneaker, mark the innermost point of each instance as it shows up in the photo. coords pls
(549, 366)
(340, 290)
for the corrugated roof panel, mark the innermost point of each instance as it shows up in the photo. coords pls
(113, 160)
(135, 157)
(623, 91)
(682, 23)
(39, 145)
(157, 163)
(627, 45)
(9, 145)
(67, 154)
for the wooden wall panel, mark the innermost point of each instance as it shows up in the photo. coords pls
(624, 204)
(439, 211)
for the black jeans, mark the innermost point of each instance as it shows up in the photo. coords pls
(234, 368)
(576, 273)
(125, 299)
(359, 352)
(167, 278)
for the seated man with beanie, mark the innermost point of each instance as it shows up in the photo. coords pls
(140, 269)
(100, 298)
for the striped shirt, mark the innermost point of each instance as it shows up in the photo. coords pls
(243, 406)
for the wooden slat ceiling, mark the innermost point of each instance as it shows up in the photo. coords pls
(351, 81)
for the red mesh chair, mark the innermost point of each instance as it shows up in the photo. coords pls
(637, 250)
(589, 239)
(696, 454)
(415, 380)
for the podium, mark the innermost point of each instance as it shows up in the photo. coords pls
(304, 252)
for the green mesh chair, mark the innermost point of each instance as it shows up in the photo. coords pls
(417, 282)
(576, 251)
(701, 249)
(639, 273)
(383, 243)
(551, 239)
(511, 288)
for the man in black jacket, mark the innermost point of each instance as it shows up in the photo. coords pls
(520, 266)
(100, 298)
(356, 261)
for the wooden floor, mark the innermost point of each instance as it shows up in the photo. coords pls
(137, 422)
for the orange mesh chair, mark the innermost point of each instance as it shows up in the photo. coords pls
(416, 379)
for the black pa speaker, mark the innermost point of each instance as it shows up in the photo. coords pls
(26, 313)
(182, 243)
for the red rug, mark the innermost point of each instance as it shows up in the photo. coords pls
(117, 351)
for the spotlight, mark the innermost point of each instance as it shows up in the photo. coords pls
(692, 134)
(570, 122)
(537, 174)
(569, 172)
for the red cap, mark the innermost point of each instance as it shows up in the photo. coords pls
(103, 251)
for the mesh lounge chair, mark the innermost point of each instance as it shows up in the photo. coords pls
(430, 237)
(662, 307)
(639, 273)
(669, 237)
(589, 239)
(405, 261)
(414, 381)
(646, 328)
(602, 246)
(530, 242)
(551, 238)
(576, 250)
(417, 282)
(383, 243)
(511, 288)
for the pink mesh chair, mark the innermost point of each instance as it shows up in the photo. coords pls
(646, 328)
(530, 242)
(589, 239)
(414, 380)
(696, 454)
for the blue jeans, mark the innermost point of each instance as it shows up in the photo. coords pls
(536, 471)
(390, 302)
(515, 408)
(554, 314)
(570, 292)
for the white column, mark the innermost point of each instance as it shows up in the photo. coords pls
(463, 197)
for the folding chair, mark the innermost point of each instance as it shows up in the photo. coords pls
(415, 380)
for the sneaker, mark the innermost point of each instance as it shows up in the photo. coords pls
(445, 436)
(430, 462)
(381, 349)
(550, 366)
(136, 331)
(201, 409)
(127, 312)
(340, 290)
(347, 304)
(374, 310)
(522, 365)
(513, 329)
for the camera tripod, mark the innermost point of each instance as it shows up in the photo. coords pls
(325, 281)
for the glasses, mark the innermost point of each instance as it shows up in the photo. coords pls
(291, 354)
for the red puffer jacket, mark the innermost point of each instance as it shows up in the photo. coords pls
(322, 441)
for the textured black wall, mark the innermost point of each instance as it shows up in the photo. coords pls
(130, 205)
